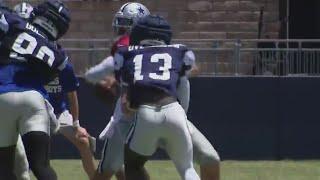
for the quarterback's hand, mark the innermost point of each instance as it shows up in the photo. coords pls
(81, 132)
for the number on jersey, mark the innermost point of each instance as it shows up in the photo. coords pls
(165, 69)
(26, 44)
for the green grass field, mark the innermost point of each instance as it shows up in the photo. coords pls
(231, 170)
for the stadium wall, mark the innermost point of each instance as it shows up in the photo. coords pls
(256, 118)
(191, 19)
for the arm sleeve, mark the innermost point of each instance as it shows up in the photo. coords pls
(98, 72)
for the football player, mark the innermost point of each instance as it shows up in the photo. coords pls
(149, 72)
(28, 61)
(204, 153)
(62, 90)
(103, 75)
(21, 165)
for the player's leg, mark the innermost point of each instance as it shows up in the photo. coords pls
(34, 128)
(101, 174)
(8, 134)
(114, 136)
(7, 162)
(84, 148)
(142, 141)
(134, 165)
(37, 148)
(205, 155)
(82, 144)
(21, 166)
(178, 143)
(112, 157)
(203, 151)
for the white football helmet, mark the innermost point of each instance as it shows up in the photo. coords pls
(128, 14)
(23, 9)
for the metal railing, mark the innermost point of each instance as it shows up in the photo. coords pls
(223, 57)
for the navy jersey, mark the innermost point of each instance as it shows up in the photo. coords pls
(158, 67)
(59, 87)
(27, 58)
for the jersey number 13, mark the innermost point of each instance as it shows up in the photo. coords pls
(165, 69)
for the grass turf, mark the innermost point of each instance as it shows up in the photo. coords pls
(230, 170)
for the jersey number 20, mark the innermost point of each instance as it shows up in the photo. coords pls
(165, 69)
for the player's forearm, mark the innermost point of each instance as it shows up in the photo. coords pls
(94, 75)
(98, 72)
(73, 105)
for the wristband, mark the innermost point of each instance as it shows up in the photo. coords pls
(76, 123)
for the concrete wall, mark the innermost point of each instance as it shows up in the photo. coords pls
(190, 19)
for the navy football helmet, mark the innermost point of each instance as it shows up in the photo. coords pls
(153, 28)
(53, 17)
(4, 8)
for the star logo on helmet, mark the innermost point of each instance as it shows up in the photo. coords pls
(141, 11)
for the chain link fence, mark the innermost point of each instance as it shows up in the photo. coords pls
(222, 57)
